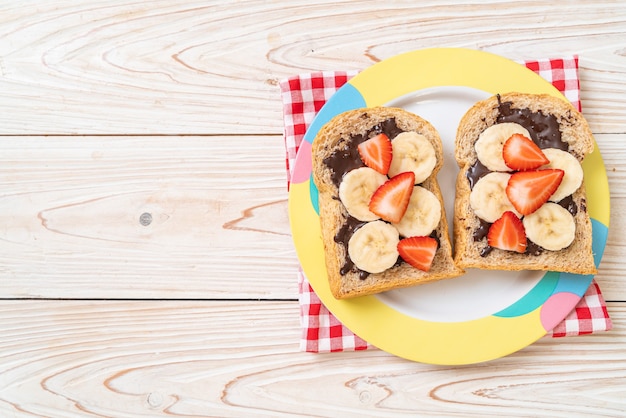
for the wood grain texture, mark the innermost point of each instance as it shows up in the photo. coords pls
(206, 359)
(141, 158)
(70, 210)
(71, 207)
(180, 67)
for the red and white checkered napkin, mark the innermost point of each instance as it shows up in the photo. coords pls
(303, 96)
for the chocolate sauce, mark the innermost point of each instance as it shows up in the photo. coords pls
(435, 236)
(569, 204)
(476, 172)
(532, 248)
(544, 129)
(343, 236)
(482, 230)
(388, 127)
(346, 158)
(480, 234)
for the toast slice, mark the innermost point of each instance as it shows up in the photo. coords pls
(555, 127)
(335, 155)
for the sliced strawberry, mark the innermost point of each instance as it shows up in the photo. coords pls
(507, 233)
(418, 251)
(528, 190)
(521, 153)
(376, 153)
(391, 199)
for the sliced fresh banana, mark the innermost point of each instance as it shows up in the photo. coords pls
(374, 247)
(551, 227)
(488, 198)
(356, 190)
(490, 142)
(573, 177)
(422, 215)
(412, 152)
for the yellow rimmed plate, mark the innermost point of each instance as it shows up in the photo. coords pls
(482, 315)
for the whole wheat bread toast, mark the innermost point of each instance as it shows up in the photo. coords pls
(537, 112)
(341, 134)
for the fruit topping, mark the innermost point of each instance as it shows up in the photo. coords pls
(374, 247)
(521, 153)
(491, 141)
(376, 153)
(528, 190)
(418, 251)
(523, 180)
(422, 215)
(413, 152)
(488, 198)
(551, 226)
(356, 190)
(573, 177)
(507, 233)
(391, 200)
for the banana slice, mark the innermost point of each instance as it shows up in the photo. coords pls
(490, 142)
(422, 215)
(356, 190)
(551, 227)
(488, 198)
(412, 152)
(374, 247)
(573, 177)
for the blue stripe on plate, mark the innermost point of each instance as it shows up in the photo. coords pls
(346, 98)
(553, 282)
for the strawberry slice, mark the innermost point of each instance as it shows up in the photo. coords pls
(418, 251)
(507, 233)
(528, 190)
(376, 153)
(521, 153)
(391, 199)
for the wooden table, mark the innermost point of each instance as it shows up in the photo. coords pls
(146, 262)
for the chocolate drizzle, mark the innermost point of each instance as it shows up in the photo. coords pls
(544, 129)
(345, 159)
(476, 172)
(344, 234)
(486, 251)
(532, 248)
(482, 230)
(569, 204)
